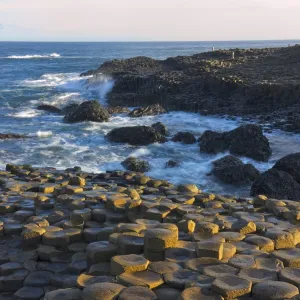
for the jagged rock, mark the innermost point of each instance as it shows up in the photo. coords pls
(6, 136)
(276, 184)
(88, 111)
(150, 110)
(184, 137)
(136, 135)
(247, 140)
(160, 128)
(49, 108)
(290, 164)
(117, 110)
(136, 165)
(232, 170)
(70, 108)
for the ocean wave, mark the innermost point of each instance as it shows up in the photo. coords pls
(28, 113)
(42, 133)
(34, 56)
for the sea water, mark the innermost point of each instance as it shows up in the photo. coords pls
(36, 73)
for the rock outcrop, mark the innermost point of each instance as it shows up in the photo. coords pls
(276, 184)
(247, 140)
(88, 111)
(135, 135)
(112, 110)
(6, 136)
(184, 137)
(70, 108)
(161, 128)
(151, 110)
(49, 108)
(136, 165)
(232, 170)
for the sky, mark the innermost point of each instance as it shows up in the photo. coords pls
(148, 20)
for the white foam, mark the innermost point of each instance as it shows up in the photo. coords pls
(29, 113)
(34, 56)
(42, 133)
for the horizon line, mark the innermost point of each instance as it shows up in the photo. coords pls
(149, 41)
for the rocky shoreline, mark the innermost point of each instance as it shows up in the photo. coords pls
(260, 84)
(68, 234)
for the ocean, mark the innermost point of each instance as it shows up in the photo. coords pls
(36, 73)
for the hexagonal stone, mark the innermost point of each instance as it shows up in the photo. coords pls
(220, 270)
(230, 236)
(100, 269)
(61, 280)
(258, 275)
(179, 255)
(165, 293)
(14, 281)
(65, 294)
(137, 293)
(10, 267)
(130, 244)
(101, 251)
(241, 261)
(128, 263)
(102, 291)
(282, 239)
(197, 293)
(84, 280)
(210, 249)
(264, 243)
(289, 257)
(157, 240)
(291, 275)
(273, 290)
(30, 293)
(244, 227)
(58, 239)
(269, 263)
(38, 279)
(180, 278)
(231, 286)
(162, 267)
(198, 264)
(229, 251)
(145, 278)
(207, 227)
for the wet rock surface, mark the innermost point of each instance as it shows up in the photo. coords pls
(49, 108)
(88, 111)
(255, 84)
(69, 234)
(152, 110)
(6, 136)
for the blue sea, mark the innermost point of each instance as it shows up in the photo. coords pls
(36, 73)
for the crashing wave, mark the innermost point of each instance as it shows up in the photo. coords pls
(32, 56)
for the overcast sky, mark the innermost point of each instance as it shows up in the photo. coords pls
(148, 20)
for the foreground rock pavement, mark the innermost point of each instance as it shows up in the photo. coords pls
(68, 234)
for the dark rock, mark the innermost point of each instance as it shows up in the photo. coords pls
(88, 111)
(150, 110)
(184, 137)
(6, 136)
(117, 110)
(247, 140)
(172, 164)
(136, 165)
(232, 170)
(160, 128)
(49, 108)
(136, 135)
(70, 108)
(290, 164)
(276, 184)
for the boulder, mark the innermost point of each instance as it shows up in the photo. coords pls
(160, 128)
(49, 108)
(172, 164)
(184, 137)
(88, 111)
(6, 136)
(290, 164)
(136, 165)
(117, 110)
(276, 184)
(232, 170)
(247, 140)
(150, 110)
(70, 108)
(136, 135)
